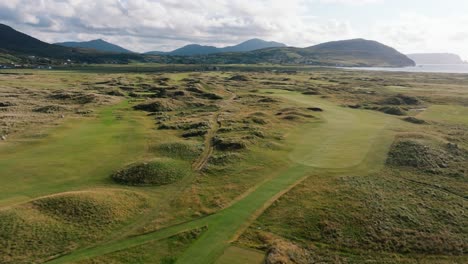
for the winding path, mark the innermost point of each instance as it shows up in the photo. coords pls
(215, 124)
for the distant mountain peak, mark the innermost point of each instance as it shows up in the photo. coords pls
(96, 44)
(248, 45)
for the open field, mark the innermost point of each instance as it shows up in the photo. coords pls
(303, 166)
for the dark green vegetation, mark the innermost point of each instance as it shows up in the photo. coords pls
(351, 53)
(242, 166)
(16, 46)
(194, 49)
(158, 172)
(97, 44)
(21, 47)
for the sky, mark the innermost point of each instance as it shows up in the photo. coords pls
(411, 26)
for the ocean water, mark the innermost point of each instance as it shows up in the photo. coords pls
(433, 68)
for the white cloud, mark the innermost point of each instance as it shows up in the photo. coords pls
(143, 25)
(415, 33)
(164, 24)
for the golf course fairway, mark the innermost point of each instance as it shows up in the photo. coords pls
(345, 141)
(81, 152)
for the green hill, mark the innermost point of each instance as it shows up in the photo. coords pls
(23, 46)
(195, 49)
(350, 53)
(97, 44)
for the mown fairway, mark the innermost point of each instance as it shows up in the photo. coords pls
(343, 139)
(80, 153)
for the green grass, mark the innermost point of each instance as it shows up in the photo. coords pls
(226, 224)
(80, 153)
(344, 137)
(238, 255)
(452, 114)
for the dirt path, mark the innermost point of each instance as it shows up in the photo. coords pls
(215, 125)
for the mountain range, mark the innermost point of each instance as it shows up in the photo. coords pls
(97, 44)
(195, 49)
(436, 58)
(188, 50)
(356, 52)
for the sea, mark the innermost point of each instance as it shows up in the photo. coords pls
(430, 68)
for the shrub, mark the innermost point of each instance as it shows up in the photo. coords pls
(414, 120)
(180, 150)
(392, 110)
(158, 172)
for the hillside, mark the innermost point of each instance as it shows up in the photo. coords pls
(436, 58)
(350, 53)
(22, 47)
(195, 49)
(97, 44)
(19, 43)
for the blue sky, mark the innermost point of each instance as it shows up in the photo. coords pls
(142, 25)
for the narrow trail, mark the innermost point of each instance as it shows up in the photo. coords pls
(227, 224)
(215, 125)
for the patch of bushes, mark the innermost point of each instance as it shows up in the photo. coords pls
(155, 106)
(239, 77)
(268, 100)
(414, 120)
(258, 120)
(194, 133)
(401, 99)
(48, 109)
(180, 150)
(7, 104)
(158, 172)
(76, 97)
(115, 92)
(315, 109)
(392, 110)
(416, 154)
(224, 158)
(221, 143)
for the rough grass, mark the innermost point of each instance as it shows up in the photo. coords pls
(368, 216)
(156, 172)
(392, 110)
(54, 224)
(179, 150)
(425, 155)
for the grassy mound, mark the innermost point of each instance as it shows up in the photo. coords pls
(414, 120)
(156, 106)
(221, 143)
(401, 99)
(392, 110)
(158, 172)
(45, 227)
(239, 77)
(180, 150)
(418, 154)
